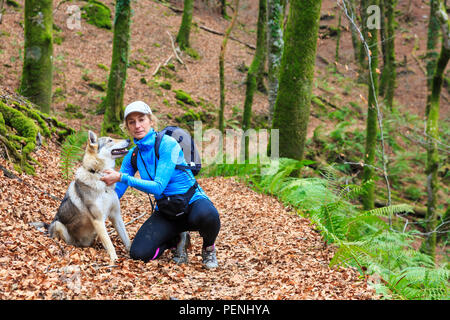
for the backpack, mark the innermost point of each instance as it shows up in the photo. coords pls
(184, 139)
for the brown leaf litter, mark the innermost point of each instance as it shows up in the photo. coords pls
(264, 250)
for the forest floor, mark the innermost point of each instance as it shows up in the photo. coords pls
(265, 251)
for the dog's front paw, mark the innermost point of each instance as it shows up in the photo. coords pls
(113, 258)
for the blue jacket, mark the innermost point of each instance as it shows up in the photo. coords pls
(167, 180)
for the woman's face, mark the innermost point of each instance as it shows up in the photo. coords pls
(138, 124)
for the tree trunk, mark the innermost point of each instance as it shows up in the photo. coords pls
(222, 69)
(37, 73)
(362, 49)
(185, 27)
(391, 72)
(383, 37)
(355, 36)
(338, 39)
(254, 68)
(118, 72)
(432, 130)
(223, 8)
(1, 10)
(292, 106)
(275, 49)
(371, 127)
(261, 44)
(432, 39)
(431, 57)
(388, 74)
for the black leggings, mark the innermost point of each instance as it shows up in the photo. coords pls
(159, 233)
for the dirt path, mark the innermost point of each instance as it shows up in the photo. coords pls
(264, 251)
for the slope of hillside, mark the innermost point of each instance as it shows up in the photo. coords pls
(252, 259)
(80, 57)
(280, 256)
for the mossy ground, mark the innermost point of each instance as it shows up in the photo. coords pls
(97, 14)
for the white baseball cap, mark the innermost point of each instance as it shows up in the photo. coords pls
(137, 106)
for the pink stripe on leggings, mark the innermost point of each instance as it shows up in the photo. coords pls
(156, 254)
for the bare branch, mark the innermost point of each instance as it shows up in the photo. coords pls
(232, 38)
(175, 51)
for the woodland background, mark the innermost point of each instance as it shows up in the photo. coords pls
(310, 234)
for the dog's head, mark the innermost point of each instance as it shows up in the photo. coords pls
(101, 152)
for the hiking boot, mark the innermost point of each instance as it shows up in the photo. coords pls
(209, 257)
(180, 255)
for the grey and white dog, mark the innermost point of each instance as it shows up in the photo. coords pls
(88, 202)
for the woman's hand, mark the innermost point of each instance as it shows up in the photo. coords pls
(110, 177)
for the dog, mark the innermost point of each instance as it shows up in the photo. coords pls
(88, 202)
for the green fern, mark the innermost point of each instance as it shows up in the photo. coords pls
(422, 283)
(388, 211)
(72, 152)
(352, 191)
(333, 219)
(363, 238)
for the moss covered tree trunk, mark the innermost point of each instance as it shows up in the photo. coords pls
(338, 39)
(185, 27)
(355, 37)
(223, 8)
(383, 38)
(261, 46)
(251, 81)
(362, 50)
(254, 67)
(388, 75)
(432, 40)
(391, 73)
(432, 54)
(432, 130)
(222, 68)
(113, 102)
(368, 199)
(37, 73)
(291, 114)
(22, 128)
(275, 49)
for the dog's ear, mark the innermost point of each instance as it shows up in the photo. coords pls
(92, 138)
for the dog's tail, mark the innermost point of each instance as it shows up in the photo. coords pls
(39, 225)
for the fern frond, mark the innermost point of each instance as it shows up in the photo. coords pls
(72, 153)
(331, 175)
(332, 220)
(389, 210)
(423, 283)
(360, 225)
(309, 194)
(353, 191)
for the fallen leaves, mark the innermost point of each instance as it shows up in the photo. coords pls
(264, 250)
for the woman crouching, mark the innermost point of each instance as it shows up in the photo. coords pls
(160, 177)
